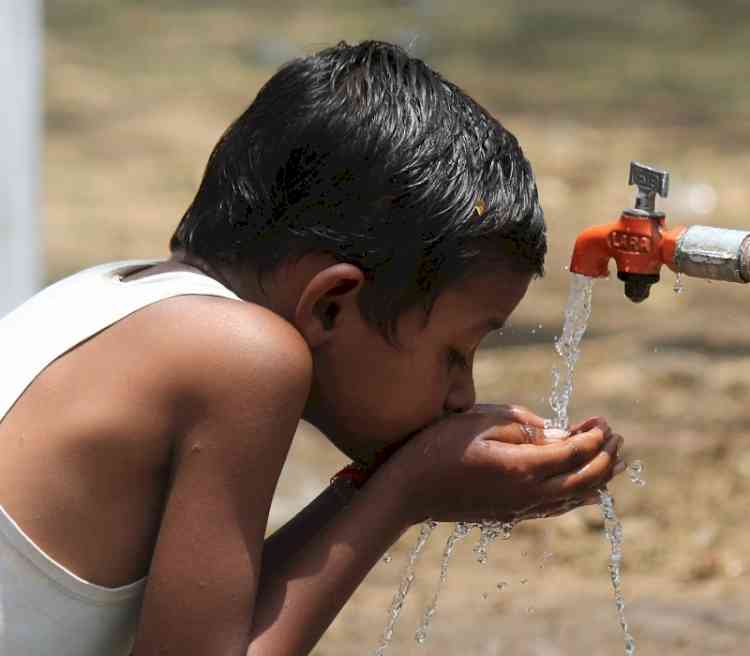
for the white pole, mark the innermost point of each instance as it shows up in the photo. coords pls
(20, 129)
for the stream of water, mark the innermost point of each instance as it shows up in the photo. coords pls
(568, 347)
(460, 532)
(403, 589)
(489, 531)
(577, 313)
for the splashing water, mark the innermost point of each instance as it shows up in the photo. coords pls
(613, 531)
(403, 589)
(577, 313)
(460, 532)
(489, 532)
(635, 470)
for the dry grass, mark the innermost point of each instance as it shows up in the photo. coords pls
(138, 93)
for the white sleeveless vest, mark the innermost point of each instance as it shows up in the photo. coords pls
(45, 608)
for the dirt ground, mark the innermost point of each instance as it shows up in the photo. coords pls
(137, 94)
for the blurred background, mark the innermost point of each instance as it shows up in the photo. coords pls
(136, 94)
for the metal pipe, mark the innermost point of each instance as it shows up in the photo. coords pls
(714, 253)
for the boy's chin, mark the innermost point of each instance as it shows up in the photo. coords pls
(364, 454)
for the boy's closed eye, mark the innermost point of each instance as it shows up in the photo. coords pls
(457, 358)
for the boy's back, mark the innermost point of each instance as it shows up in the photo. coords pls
(86, 476)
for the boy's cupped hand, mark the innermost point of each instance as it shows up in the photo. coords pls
(497, 462)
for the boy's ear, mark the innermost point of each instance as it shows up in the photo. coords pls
(330, 294)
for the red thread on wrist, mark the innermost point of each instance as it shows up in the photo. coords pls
(354, 474)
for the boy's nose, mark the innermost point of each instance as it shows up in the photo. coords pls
(462, 395)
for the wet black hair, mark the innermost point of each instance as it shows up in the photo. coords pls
(365, 153)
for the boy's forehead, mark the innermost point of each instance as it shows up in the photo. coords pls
(495, 287)
(482, 302)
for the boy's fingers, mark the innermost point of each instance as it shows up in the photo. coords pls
(592, 475)
(588, 424)
(542, 459)
(516, 413)
(536, 434)
(515, 433)
(569, 454)
(523, 415)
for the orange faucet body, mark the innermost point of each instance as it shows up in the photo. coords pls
(638, 244)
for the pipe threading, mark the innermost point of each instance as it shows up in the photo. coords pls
(714, 253)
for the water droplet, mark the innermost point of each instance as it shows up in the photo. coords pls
(635, 470)
(484, 596)
(679, 285)
(546, 556)
(387, 558)
(502, 585)
(524, 581)
(530, 610)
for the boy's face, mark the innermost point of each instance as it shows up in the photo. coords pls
(367, 394)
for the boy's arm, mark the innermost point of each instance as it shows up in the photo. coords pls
(239, 378)
(293, 536)
(303, 590)
(241, 394)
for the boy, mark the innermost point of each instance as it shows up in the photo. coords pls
(357, 232)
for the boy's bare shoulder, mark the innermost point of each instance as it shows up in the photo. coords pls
(211, 347)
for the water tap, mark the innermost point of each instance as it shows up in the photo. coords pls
(640, 243)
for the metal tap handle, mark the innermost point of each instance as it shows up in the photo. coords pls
(650, 181)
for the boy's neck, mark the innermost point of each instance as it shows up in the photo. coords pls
(280, 291)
